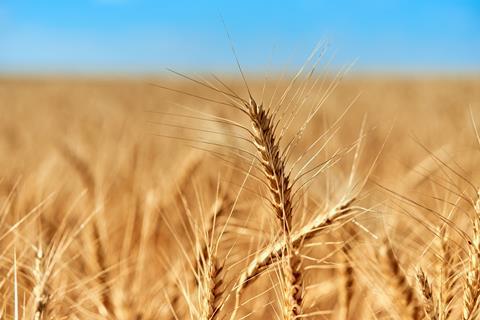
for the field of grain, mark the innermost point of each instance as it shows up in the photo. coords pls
(354, 198)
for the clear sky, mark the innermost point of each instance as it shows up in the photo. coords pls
(138, 36)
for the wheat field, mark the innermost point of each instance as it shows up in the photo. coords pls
(317, 197)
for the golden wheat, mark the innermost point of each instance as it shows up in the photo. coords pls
(127, 225)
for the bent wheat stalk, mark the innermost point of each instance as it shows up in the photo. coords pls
(268, 255)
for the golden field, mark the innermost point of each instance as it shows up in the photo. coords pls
(120, 199)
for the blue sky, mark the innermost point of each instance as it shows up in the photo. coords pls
(145, 36)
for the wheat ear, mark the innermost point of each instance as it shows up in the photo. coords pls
(272, 161)
(471, 290)
(212, 289)
(404, 293)
(208, 268)
(40, 292)
(218, 210)
(448, 277)
(347, 282)
(274, 169)
(293, 285)
(427, 293)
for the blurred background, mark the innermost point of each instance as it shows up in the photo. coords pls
(144, 36)
(86, 137)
